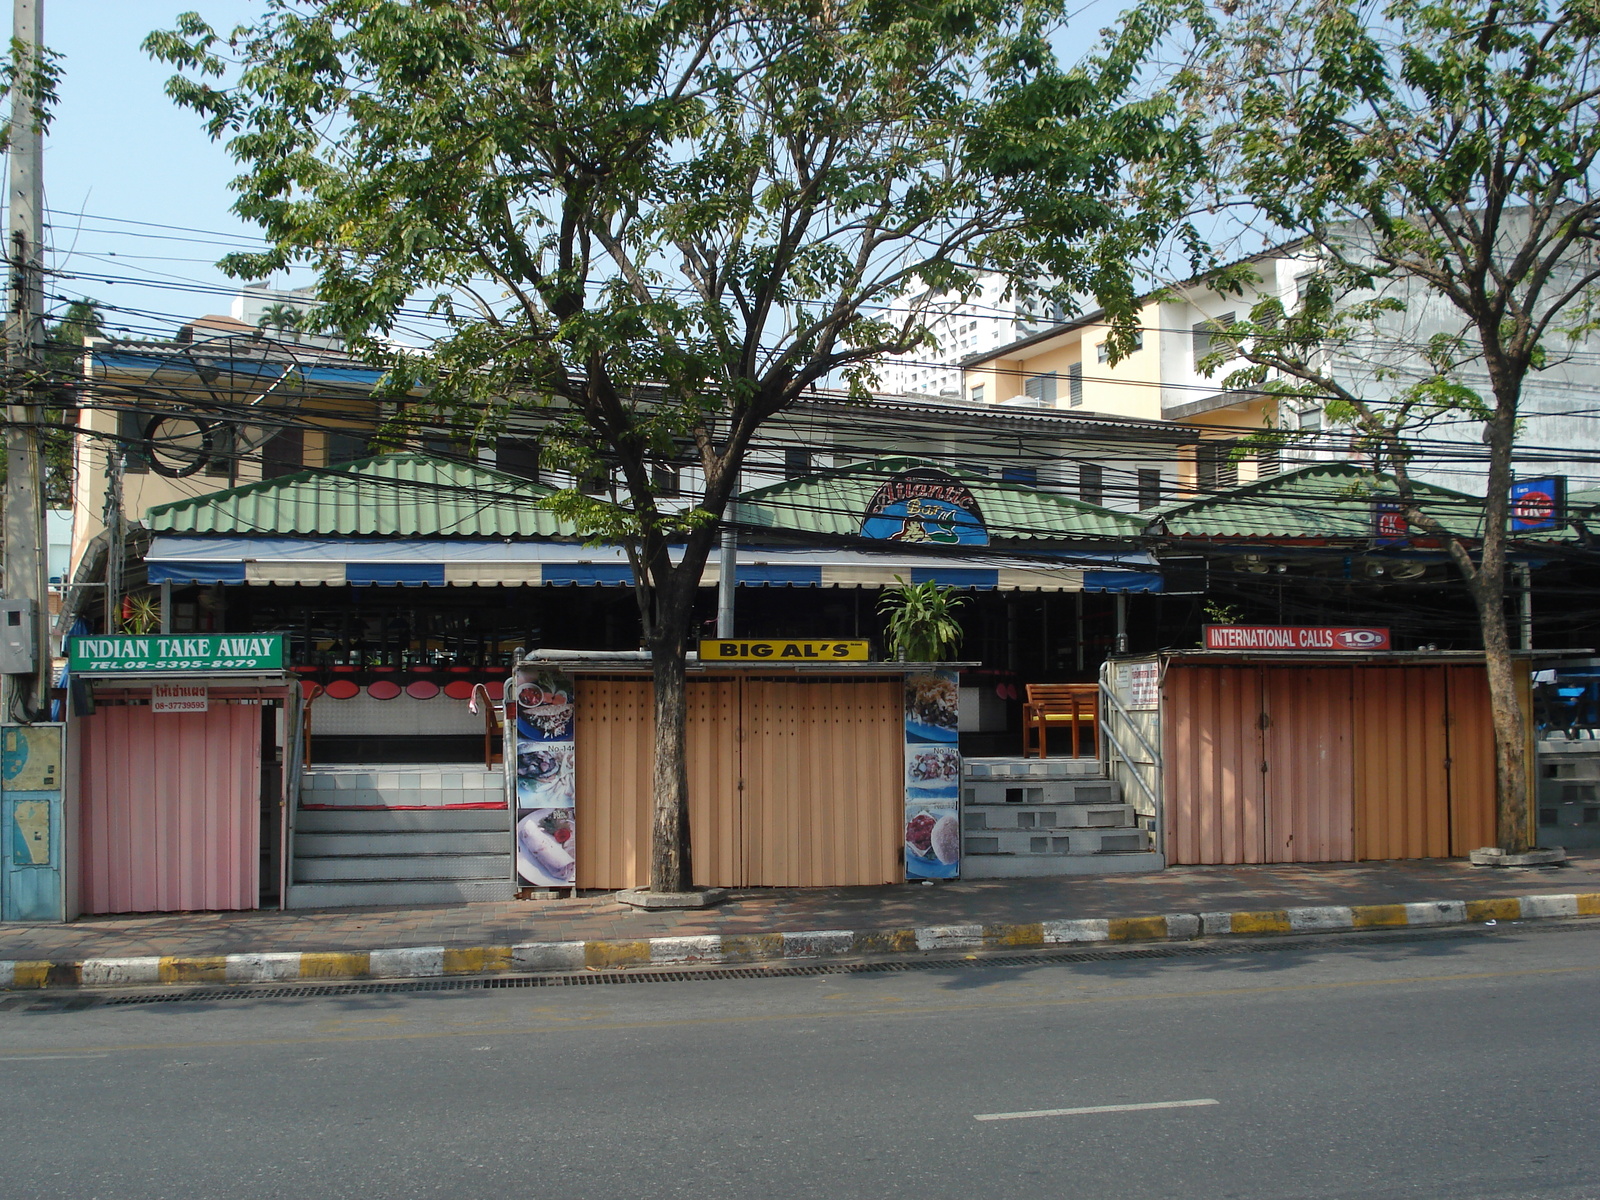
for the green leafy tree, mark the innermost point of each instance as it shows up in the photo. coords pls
(63, 366)
(1438, 161)
(662, 223)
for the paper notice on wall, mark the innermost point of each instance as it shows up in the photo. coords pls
(1141, 689)
(180, 698)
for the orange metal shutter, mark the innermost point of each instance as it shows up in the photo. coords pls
(824, 781)
(1309, 815)
(1213, 754)
(1402, 784)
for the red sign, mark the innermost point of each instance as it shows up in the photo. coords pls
(1296, 637)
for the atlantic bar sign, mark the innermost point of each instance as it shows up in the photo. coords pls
(925, 505)
(192, 652)
(1296, 637)
(745, 650)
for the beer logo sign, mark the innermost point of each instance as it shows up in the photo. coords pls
(925, 505)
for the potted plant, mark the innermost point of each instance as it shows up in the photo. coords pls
(921, 620)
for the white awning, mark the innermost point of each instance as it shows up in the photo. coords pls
(467, 563)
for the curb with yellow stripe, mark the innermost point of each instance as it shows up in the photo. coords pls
(732, 949)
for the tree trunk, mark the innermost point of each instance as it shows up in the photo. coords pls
(1512, 827)
(670, 867)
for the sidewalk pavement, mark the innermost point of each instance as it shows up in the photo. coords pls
(597, 931)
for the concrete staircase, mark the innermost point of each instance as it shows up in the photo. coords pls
(374, 835)
(1056, 816)
(1569, 793)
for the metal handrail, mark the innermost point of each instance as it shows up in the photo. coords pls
(1133, 768)
(1154, 754)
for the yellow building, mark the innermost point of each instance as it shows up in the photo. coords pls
(1067, 366)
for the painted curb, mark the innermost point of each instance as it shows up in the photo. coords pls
(423, 962)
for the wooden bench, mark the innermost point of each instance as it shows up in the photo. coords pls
(1058, 704)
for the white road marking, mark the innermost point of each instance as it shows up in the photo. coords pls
(37, 1057)
(1099, 1108)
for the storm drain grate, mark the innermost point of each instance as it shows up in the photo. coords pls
(757, 971)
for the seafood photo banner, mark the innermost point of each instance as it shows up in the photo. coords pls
(933, 775)
(546, 834)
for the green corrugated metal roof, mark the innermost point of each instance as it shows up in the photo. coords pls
(1324, 500)
(391, 495)
(834, 502)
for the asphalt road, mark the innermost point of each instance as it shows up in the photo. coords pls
(1457, 1067)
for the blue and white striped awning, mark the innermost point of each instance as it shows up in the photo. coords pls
(466, 563)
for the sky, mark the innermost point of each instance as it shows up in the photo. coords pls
(119, 153)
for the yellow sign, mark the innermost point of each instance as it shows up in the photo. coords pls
(744, 650)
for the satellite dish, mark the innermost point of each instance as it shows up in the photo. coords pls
(1407, 570)
(221, 397)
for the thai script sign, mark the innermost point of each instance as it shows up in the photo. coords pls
(744, 650)
(925, 505)
(180, 698)
(125, 654)
(1295, 637)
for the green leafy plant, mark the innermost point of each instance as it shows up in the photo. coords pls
(922, 625)
(1221, 614)
(141, 614)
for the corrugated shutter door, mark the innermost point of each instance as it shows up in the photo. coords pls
(824, 782)
(171, 809)
(1213, 754)
(613, 727)
(1309, 814)
(1402, 786)
(1472, 772)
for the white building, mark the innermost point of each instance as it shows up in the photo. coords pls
(987, 319)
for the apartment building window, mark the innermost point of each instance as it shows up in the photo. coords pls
(1041, 389)
(1149, 489)
(130, 432)
(517, 456)
(977, 393)
(220, 464)
(1208, 336)
(664, 479)
(344, 447)
(796, 463)
(1102, 351)
(593, 482)
(1028, 476)
(1091, 483)
(283, 453)
(1075, 385)
(1215, 468)
(1267, 463)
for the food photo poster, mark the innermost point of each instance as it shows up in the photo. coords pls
(546, 832)
(933, 775)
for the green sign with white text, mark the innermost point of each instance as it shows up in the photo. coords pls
(123, 654)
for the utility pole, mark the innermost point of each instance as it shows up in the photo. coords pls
(26, 566)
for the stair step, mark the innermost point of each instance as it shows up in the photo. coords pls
(1098, 792)
(410, 841)
(392, 867)
(1037, 820)
(1032, 769)
(403, 893)
(1058, 843)
(1028, 866)
(399, 820)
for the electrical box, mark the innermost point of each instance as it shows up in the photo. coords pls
(19, 641)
